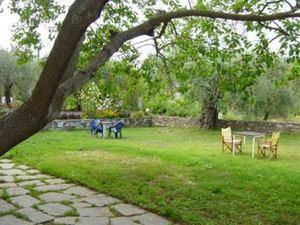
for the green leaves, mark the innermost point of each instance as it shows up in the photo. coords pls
(238, 5)
(272, 94)
(32, 16)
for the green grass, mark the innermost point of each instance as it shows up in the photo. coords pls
(179, 173)
(32, 191)
(71, 213)
(14, 213)
(4, 194)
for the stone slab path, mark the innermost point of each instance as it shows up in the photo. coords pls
(28, 197)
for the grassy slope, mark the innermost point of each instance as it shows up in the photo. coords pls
(178, 173)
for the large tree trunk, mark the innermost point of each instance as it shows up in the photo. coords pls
(7, 94)
(209, 117)
(266, 116)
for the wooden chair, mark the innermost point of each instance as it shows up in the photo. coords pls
(270, 145)
(229, 142)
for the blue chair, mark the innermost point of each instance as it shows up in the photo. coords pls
(117, 129)
(96, 127)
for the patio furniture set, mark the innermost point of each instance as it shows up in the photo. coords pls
(234, 141)
(105, 128)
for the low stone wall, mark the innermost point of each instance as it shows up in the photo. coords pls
(83, 124)
(188, 122)
(172, 121)
(260, 126)
(138, 122)
(70, 124)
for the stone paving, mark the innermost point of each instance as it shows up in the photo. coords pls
(28, 197)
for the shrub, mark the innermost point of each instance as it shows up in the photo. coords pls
(71, 104)
(137, 114)
(179, 107)
(106, 113)
(67, 116)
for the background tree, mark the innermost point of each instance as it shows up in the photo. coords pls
(273, 95)
(23, 77)
(9, 74)
(29, 76)
(269, 93)
(207, 65)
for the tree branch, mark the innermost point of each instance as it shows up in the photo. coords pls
(280, 30)
(59, 97)
(267, 4)
(74, 83)
(174, 28)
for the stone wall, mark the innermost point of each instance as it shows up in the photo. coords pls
(260, 126)
(83, 124)
(70, 124)
(165, 121)
(138, 122)
(172, 121)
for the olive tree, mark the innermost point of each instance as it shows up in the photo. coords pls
(23, 77)
(9, 74)
(275, 94)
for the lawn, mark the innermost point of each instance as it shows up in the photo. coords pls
(178, 173)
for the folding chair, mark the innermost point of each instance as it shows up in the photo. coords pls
(270, 145)
(229, 142)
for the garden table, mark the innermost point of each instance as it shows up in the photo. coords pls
(105, 126)
(252, 134)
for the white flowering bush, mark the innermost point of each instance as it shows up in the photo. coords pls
(93, 101)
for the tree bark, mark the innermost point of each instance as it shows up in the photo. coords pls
(51, 89)
(266, 116)
(209, 117)
(7, 94)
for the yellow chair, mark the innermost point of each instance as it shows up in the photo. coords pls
(270, 145)
(229, 142)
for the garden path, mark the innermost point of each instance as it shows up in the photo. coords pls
(29, 197)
